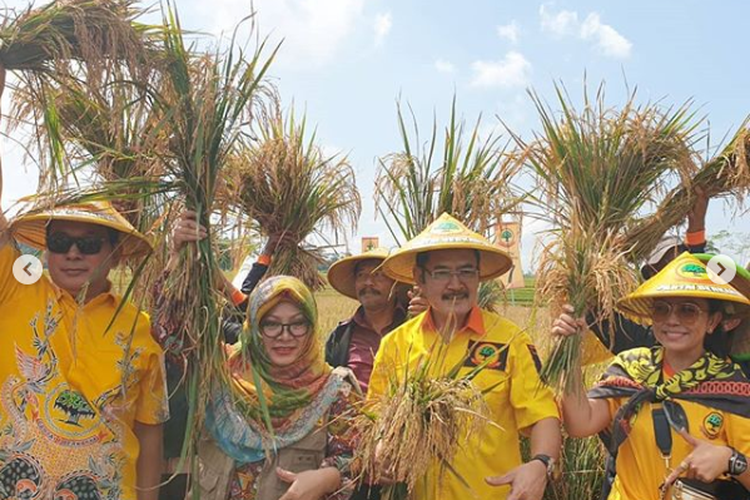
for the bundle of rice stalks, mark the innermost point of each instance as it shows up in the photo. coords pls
(110, 134)
(595, 170)
(291, 189)
(420, 424)
(205, 106)
(94, 32)
(473, 181)
(726, 175)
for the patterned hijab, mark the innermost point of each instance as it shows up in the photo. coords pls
(267, 407)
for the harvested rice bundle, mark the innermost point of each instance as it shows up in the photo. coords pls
(471, 180)
(292, 190)
(205, 107)
(422, 422)
(113, 133)
(595, 170)
(726, 175)
(95, 32)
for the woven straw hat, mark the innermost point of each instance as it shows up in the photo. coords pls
(685, 276)
(447, 233)
(341, 273)
(31, 228)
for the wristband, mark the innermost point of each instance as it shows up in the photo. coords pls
(696, 238)
(238, 297)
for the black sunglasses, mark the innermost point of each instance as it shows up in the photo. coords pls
(87, 245)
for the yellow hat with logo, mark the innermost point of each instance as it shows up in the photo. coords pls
(31, 228)
(341, 272)
(685, 276)
(447, 233)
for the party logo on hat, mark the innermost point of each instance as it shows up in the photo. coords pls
(692, 271)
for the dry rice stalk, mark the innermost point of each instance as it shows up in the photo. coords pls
(96, 33)
(471, 178)
(292, 190)
(595, 171)
(422, 422)
(726, 175)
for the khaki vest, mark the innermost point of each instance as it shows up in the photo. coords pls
(215, 468)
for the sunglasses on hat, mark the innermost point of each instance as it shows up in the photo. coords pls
(62, 243)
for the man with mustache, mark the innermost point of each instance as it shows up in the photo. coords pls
(356, 340)
(448, 261)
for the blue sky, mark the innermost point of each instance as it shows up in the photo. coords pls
(347, 61)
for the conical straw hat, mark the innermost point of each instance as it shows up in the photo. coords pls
(447, 233)
(31, 228)
(685, 276)
(341, 273)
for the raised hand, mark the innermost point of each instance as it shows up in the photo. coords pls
(566, 325)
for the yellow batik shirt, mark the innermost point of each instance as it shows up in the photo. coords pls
(516, 402)
(640, 466)
(71, 391)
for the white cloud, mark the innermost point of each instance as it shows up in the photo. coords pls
(608, 40)
(382, 26)
(605, 38)
(313, 30)
(511, 71)
(509, 31)
(444, 66)
(562, 23)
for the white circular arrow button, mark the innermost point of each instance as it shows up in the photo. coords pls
(27, 269)
(721, 269)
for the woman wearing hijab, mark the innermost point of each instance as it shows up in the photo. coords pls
(300, 447)
(678, 409)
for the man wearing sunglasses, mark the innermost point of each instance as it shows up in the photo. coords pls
(448, 261)
(82, 381)
(82, 387)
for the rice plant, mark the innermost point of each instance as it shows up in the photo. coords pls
(725, 175)
(421, 423)
(291, 189)
(468, 176)
(595, 170)
(206, 102)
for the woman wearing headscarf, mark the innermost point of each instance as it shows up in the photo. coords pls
(278, 429)
(678, 409)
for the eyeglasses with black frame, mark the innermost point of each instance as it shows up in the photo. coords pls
(444, 275)
(274, 329)
(61, 243)
(687, 312)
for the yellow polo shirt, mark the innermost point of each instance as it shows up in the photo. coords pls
(640, 466)
(70, 391)
(517, 401)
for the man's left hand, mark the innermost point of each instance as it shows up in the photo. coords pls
(527, 481)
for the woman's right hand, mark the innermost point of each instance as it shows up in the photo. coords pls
(566, 325)
(187, 230)
(310, 484)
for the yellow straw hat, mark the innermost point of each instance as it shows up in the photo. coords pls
(341, 273)
(447, 233)
(31, 228)
(685, 276)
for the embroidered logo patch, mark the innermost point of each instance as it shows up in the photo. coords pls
(712, 424)
(535, 357)
(494, 354)
(692, 271)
